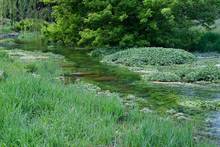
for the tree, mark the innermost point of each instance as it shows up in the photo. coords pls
(129, 23)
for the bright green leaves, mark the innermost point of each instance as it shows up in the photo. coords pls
(100, 17)
(145, 15)
(127, 23)
(91, 38)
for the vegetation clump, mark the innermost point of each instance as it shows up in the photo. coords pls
(210, 42)
(129, 23)
(164, 77)
(209, 73)
(30, 25)
(150, 56)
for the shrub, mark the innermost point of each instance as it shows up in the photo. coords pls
(150, 56)
(164, 77)
(129, 23)
(30, 25)
(101, 52)
(208, 73)
(210, 42)
(191, 77)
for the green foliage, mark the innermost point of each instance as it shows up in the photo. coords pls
(41, 111)
(101, 52)
(3, 55)
(16, 10)
(35, 38)
(193, 74)
(32, 68)
(164, 77)
(209, 42)
(130, 23)
(187, 73)
(209, 73)
(150, 56)
(30, 25)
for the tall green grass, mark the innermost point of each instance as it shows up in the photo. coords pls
(42, 111)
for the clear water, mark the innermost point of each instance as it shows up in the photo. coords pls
(115, 79)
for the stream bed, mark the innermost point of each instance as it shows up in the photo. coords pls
(115, 79)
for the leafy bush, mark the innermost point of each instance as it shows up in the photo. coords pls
(30, 25)
(101, 52)
(187, 73)
(209, 73)
(193, 74)
(129, 23)
(164, 77)
(210, 42)
(150, 56)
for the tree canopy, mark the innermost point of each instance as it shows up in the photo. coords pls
(126, 23)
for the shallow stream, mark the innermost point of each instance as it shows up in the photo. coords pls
(115, 79)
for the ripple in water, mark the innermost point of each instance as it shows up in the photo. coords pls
(214, 125)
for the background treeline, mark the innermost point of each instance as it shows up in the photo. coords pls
(120, 23)
(132, 23)
(210, 41)
(17, 10)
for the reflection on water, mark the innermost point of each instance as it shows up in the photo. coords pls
(215, 124)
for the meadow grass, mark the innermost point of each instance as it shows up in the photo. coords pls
(42, 111)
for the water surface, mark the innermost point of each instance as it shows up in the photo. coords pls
(120, 80)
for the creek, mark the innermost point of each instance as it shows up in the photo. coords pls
(115, 79)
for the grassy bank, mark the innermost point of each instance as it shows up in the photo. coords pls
(39, 110)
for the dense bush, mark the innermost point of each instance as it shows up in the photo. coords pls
(150, 56)
(164, 77)
(30, 25)
(209, 42)
(130, 23)
(209, 73)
